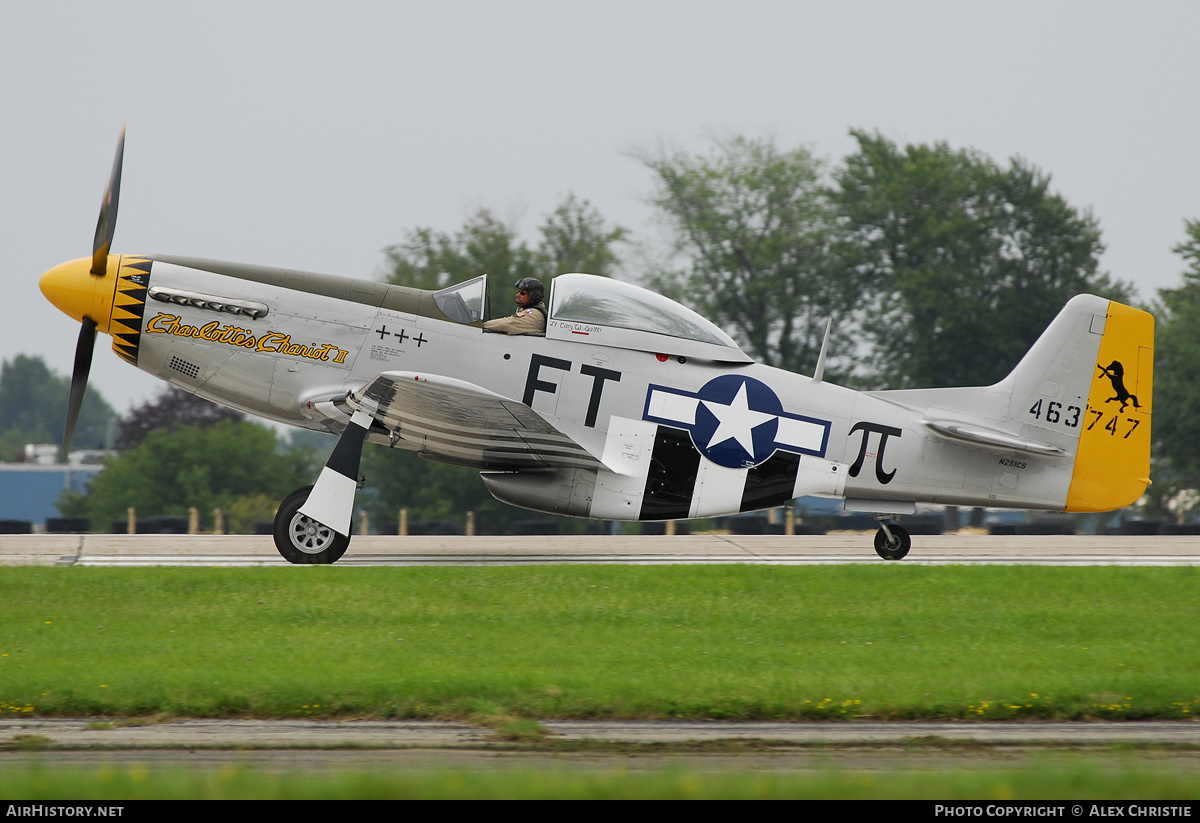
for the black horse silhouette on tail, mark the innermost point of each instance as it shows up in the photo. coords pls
(1115, 372)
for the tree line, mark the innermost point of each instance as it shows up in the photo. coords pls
(938, 265)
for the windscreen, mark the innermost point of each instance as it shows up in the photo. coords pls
(464, 302)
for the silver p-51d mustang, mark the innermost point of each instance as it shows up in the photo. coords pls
(628, 407)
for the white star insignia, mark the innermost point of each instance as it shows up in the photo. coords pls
(737, 421)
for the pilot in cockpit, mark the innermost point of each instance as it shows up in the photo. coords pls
(531, 311)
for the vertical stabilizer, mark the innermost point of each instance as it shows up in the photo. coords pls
(1112, 464)
(1072, 419)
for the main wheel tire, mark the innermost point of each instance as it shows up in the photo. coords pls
(301, 539)
(895, 550)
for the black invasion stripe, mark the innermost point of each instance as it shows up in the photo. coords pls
(500, 440)
(504, 461)
(407, 419)
(411, 422)
(771, 483)
(472, 434)
(383, 392)
(348, 452)
(495, 454)
(671, 480)
(499, 451)
(514, 441)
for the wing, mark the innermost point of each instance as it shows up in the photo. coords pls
(454, 421)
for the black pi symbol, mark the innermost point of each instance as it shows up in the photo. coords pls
(1115, 373)
(884, 432)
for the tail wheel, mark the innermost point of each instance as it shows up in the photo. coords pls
(897, 547)
(300, 539)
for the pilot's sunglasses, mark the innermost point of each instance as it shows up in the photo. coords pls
(522, 291)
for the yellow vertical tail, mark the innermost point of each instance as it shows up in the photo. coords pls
(1112, 463)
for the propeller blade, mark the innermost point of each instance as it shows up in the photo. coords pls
(79, 379)
(107, 225)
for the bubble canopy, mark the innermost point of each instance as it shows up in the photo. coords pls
(601, 301)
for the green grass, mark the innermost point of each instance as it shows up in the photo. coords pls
(737, 642)
(1081, 777)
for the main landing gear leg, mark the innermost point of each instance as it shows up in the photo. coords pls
(891, 541)
(313, 523)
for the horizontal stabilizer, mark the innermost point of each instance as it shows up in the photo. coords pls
(991, 439)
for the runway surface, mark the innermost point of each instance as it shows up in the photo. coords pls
(614, 747)
(83, 733)
(75, 740)
(255, 550)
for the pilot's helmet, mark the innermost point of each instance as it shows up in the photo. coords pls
(534, 287)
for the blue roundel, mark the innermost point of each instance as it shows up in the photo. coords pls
(736, 421)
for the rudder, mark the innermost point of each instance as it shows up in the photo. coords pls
(1112, 463)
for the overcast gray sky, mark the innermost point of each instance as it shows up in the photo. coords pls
(310, 135)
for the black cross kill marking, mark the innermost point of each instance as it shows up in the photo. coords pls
(402, 336)
(383, 332)
(420, 338)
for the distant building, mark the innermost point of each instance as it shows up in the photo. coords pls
(29, 490)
